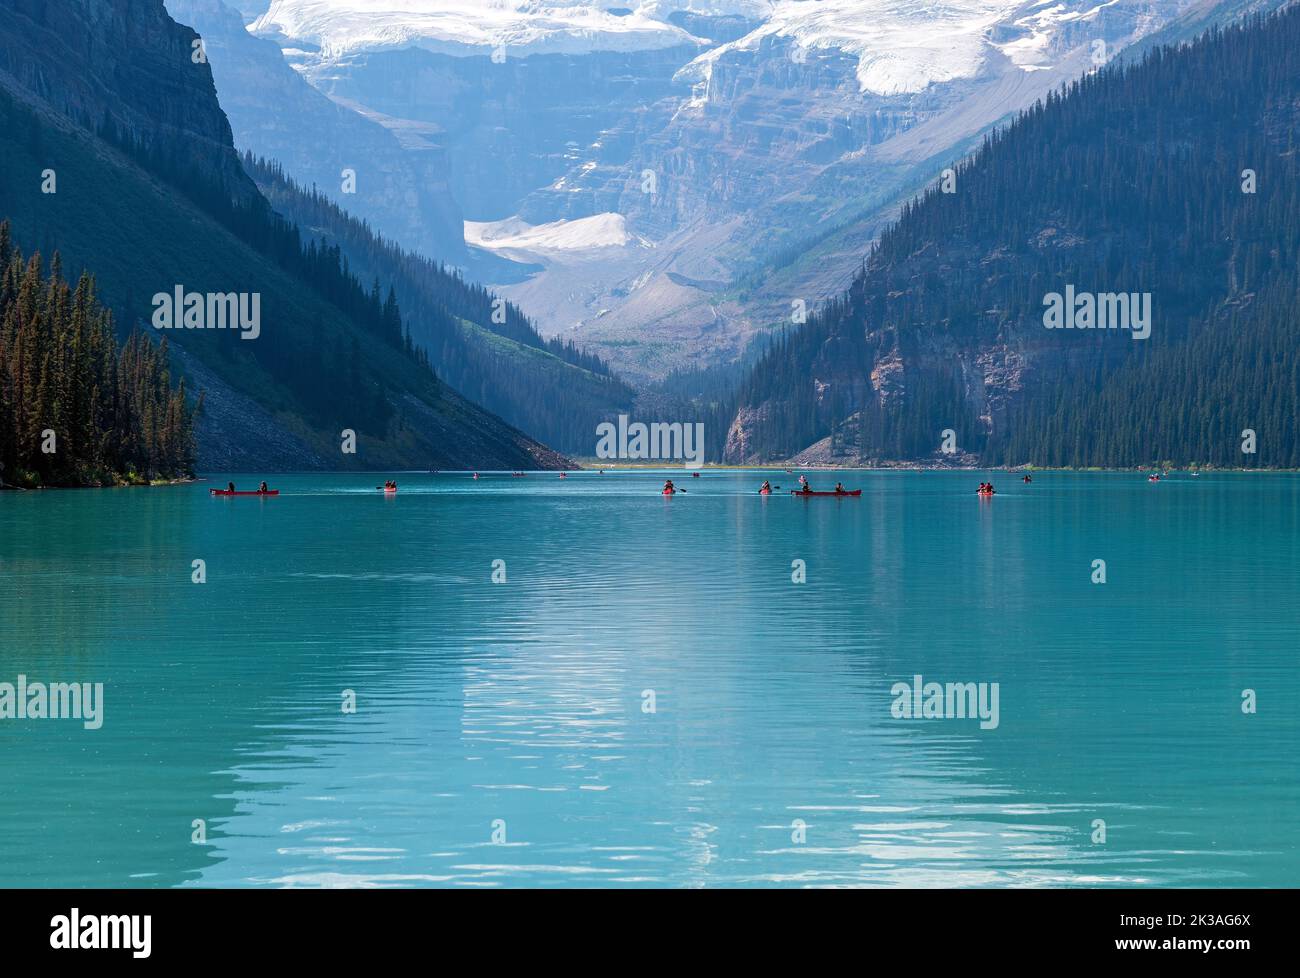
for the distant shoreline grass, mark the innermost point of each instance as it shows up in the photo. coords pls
(119, 483)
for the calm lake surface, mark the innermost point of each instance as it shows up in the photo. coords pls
(520, 708)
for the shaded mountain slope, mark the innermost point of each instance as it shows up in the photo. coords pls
(1131, 181)
(151, 195)
(482, 346)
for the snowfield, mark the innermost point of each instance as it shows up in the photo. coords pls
(583, 234)
(902, 46)
(479, 27)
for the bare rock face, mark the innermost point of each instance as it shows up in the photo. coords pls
(1001, 370)
(742, 437)
(513, 126)
(123, 66)
(761, 127)
(887, 378)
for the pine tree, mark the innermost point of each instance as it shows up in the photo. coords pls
(112, 410)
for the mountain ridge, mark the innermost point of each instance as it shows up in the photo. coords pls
(1134, 180)
(146, 214)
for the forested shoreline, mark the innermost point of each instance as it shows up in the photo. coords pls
(78, 408)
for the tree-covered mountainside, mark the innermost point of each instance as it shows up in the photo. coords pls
(1174, 176)
(127, 191)
(481, 345)
(75, 408)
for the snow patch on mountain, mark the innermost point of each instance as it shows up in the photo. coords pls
(469, 27)
(517, 237)
(902, 46)
(1031, 51)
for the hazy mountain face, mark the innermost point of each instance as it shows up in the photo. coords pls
(398, 185)
(686, 171)
(111, 102)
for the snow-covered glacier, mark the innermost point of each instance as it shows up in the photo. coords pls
(901, 45)
(468, 27)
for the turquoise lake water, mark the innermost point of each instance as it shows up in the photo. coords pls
(519, 709)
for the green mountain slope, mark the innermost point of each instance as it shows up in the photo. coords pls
(146, 209)
(1131, 181)
(548, 387)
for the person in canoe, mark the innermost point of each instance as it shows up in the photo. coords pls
(839, 488)
(263, 488)
(669, 488)
(1027, 479)
(230, 487)
(765, 488)
(803, 484)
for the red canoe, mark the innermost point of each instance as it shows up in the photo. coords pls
(248, 492)
(846, 492)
